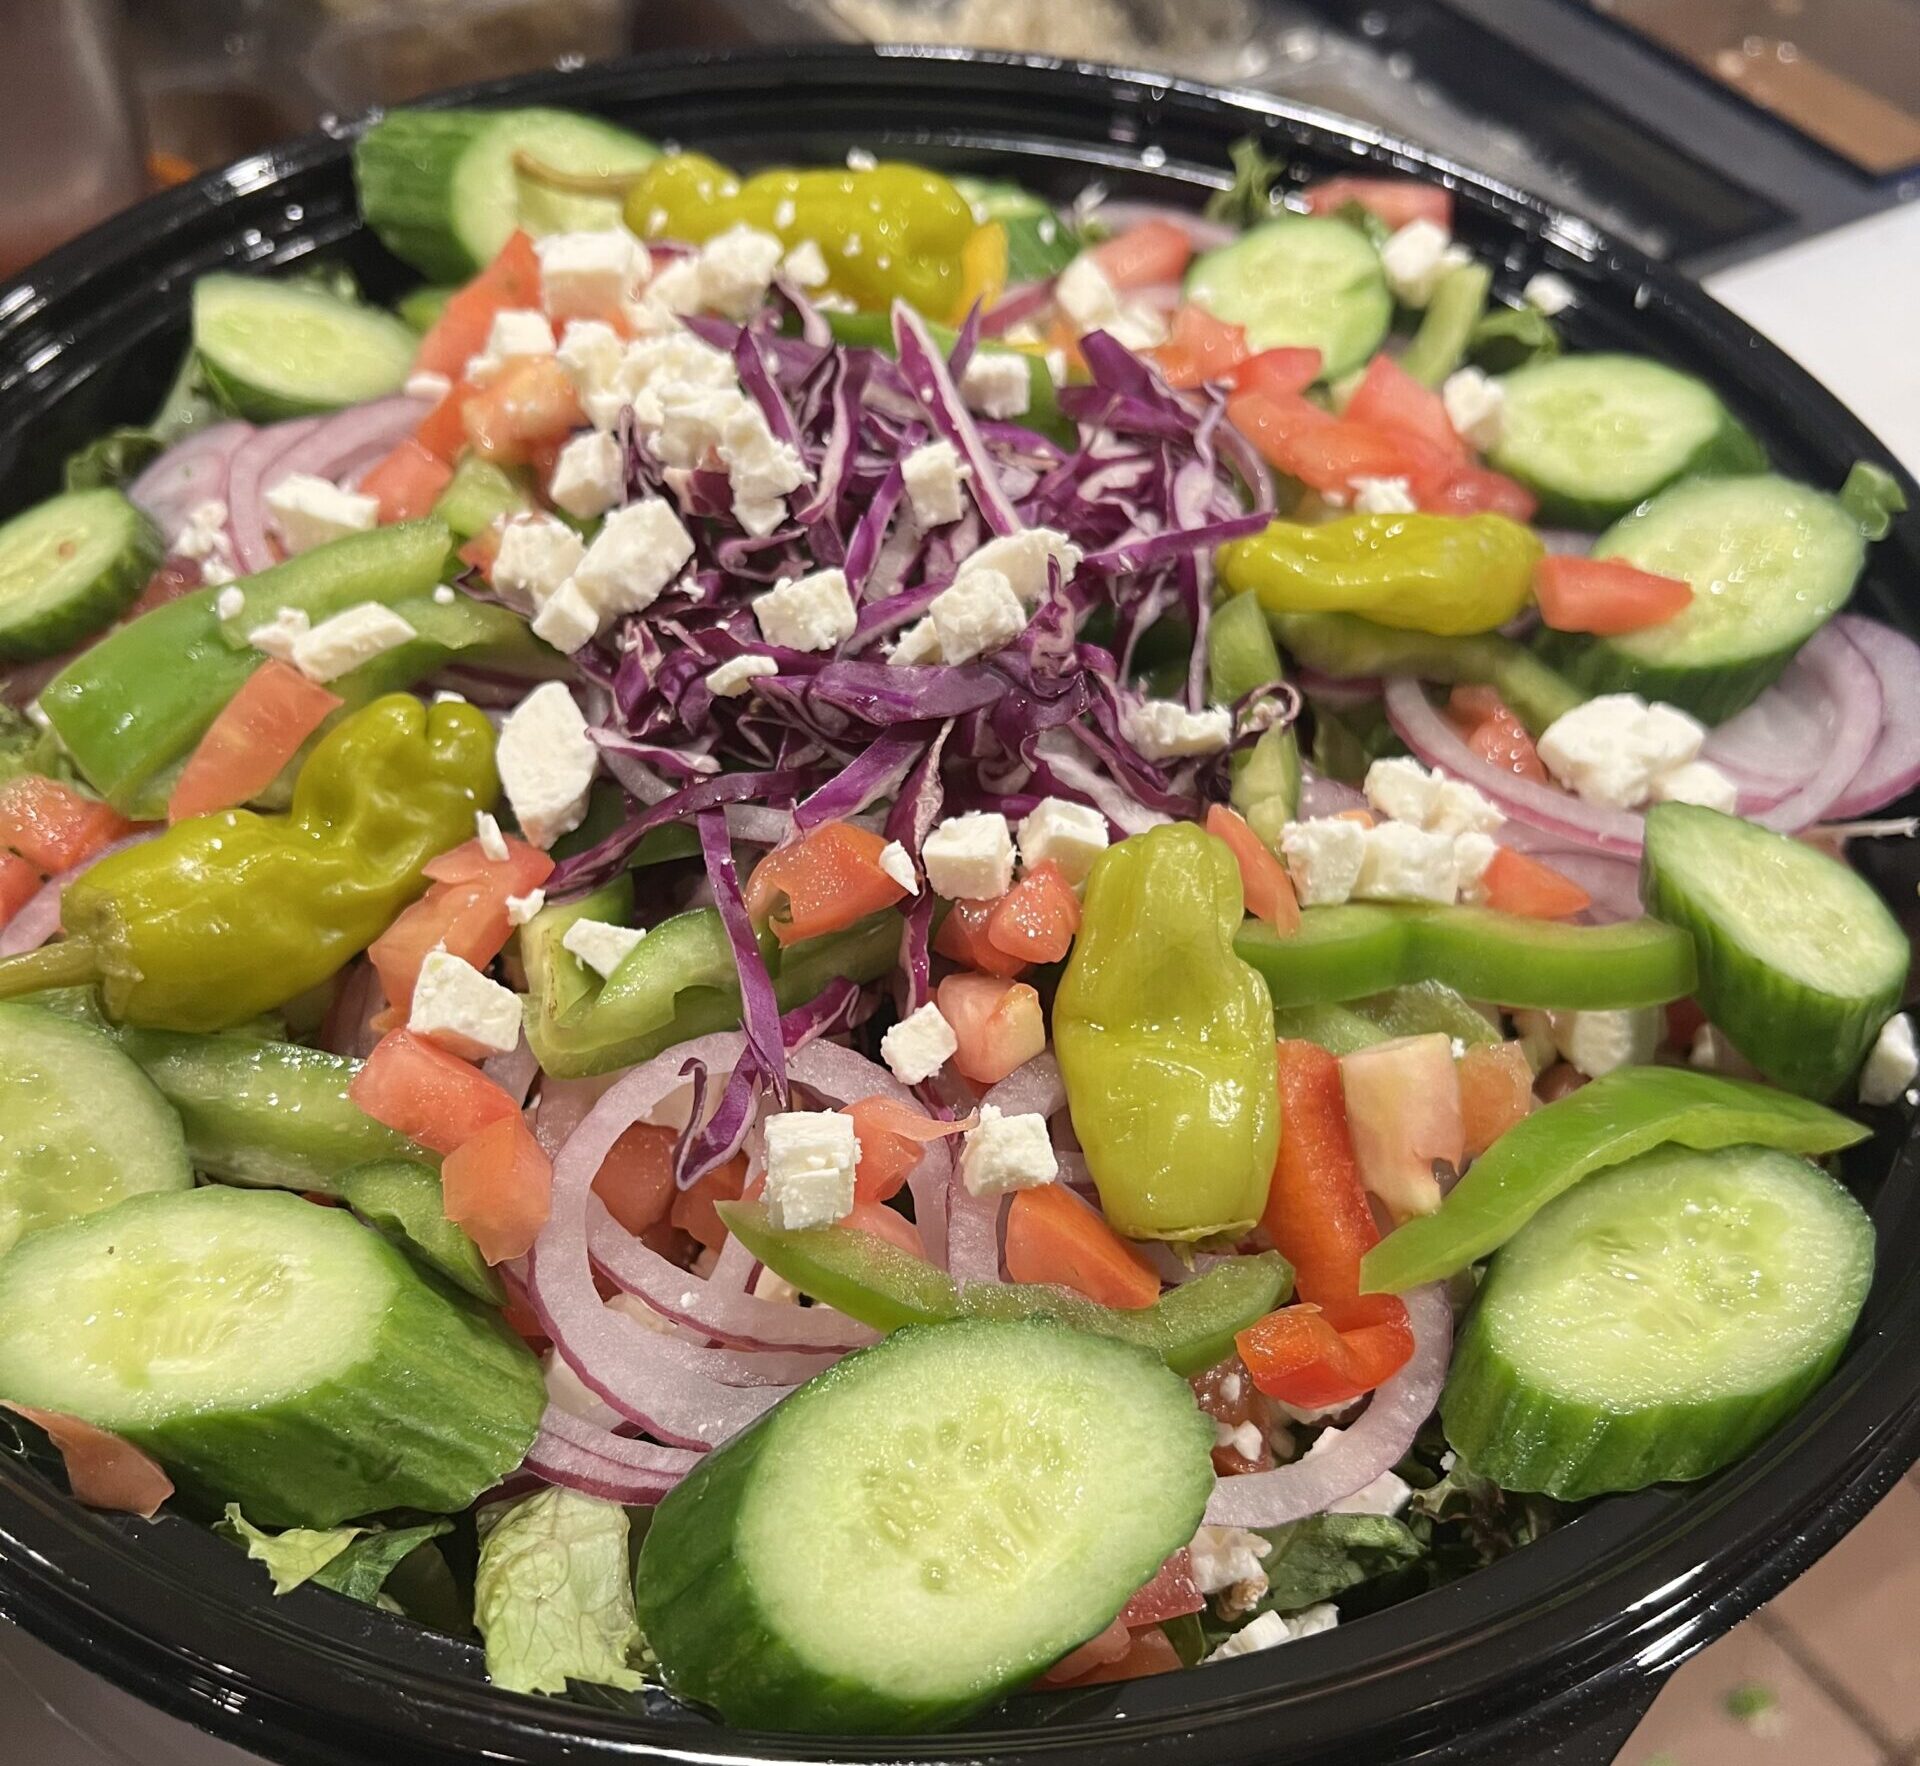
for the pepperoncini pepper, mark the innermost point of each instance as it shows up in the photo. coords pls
(1445, 574)
(1165, 1041)
(227, 916)
(889, 231)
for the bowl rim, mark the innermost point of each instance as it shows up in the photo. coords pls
(1495, 1659)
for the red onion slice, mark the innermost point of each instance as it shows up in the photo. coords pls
(192, 472)
(347, 444)
(1033, 1089)
(39, 920)
(1321, 796)
(514, 1072)
(1375, 1444)
(247, 480)
(1333, 691)
(585, 1457)
(1893, 768)
(1834, 664)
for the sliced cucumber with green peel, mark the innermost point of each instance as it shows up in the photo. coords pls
(1657, 1322)
(1801, 962)
(1770, 561)
(269, 1352)
(401, 1199)
(441, 188)
(275, 349)
(921, 1529)
(81, 1127)
(69, 566)
(1301, 282)
(1594, 435)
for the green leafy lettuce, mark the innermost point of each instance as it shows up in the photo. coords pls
(293, 1557)
(1254, 194)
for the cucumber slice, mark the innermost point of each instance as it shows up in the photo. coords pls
(271, 349)
(922, 1528)
(440, 188)
(80, 1126)
(1299, 281)
(477, 495)
(1770, 561)
(1592, 436)
(1801, 962)
(267, 1352)
(69, 566)
(1657, 1322)
(401, 1200)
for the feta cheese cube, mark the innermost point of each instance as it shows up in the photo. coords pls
(1473, 852)
(1086, 294)
(340, 644)
(230, 603)
(1388, 1494)
(1597, 1043)
(760, 467)
(517, 333)
(308, 511)
(637, 552)
(203, 537)
(278, 637)
(997, 383)
(1225, 1557)
(679, 287)
(805, 266)
(969, 857)
(1382, 496)
(1611, 749)
(1270, 1629)
(1164, 729)
(457, 1007)
(860, 159)
(1416, 257)
(979, 613)
(1548, 293)
(898, 864)
(493, 844)
(918, 645)
(1071, 834)
(1698, 781)
(537, 554)
(443, 595)
(590, 476)
(602, 946)
(1891, 1063)
(1007, 1153)
(1324, 858)
(591, 352)
(588, 275)
(813, 612)
(918, 1046)
(1402, 790)
(936, 483)
(1402, 863)
(546, 763)
(1025, 558)
(737, 674)
(424, 383)
(811, 1156)
(1459, 809)
(523, 908)
(1476, 407)
(736, 268)
(567, 619)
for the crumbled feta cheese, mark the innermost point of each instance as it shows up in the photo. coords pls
(516, 334)
(600, 944)
(1459, 809)
(860, 160)
(591, 352)
(813, 612)
(1402, 790)
(1891, 1063)
(590, 475)
(446, 697)
(1087, 296)
(424, 383)
(1382, 496)
(1324, 857)
(1416, 257)
(493, 844)
(1613, 749)
(737, 674)
(1400, 862)
(1270, 1629)
(898, 864)
(1698, 781)
(1476, 407)
(340, 644)
(546, 763)
(811, 1156)
(736, 268)
(677, 288)
(936, 483)
(969, 857)
(308, 511)
(761, 468)
(203, 537)
(776, 1288)
(457, 1007)
(1225, 1557)
(918, 1046)
(1388, 1494)
(537, 554)
(1548, 293)
(1473, 852)
(278, 637)
(1164, 729)
(589, 275)
(805, 266)
(567, 619)
(1025, 559)
(917, 645)
(1072, 835)
(443, 595)
(996, 383)
(1007, 1153)
(230, 603)
(1597, 1043)
(522, 908)
(978, 613)
(637, 552)
(1245, 1440)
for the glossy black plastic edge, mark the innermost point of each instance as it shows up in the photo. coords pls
(1499, 1666)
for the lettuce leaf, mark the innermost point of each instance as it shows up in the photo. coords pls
(361, 1571)
(293, 1557)
(1315, 1559)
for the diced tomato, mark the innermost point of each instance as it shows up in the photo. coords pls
(1478, 490)
(1560, 1080)
(1317, 1211)
(830, 878)
(963, 936)
(19, 884)
(443, 431)
(525, 867)
(408, 482)
(891, 1135)
(1200, 348)
(1037, 918)
(1279, 373)
(1263, 879)
(1328, 453)
(1471, 703)
(1148, 1653)
(1494, 733)
(498, 1186)
(997, 1024)
(1496, 1091)
(1605, 595)
(1516, 884)
(1319, 1356)
(635, 1179)
(1097, 1652)
(1396, 201)
(103, 1470)
(1152, 252)
(693, 1209)
(427, 1094)
(54, 827)
(463, 913)
(512, 280)
(1403, 1111)
(888, 1224)
(1172, 1594)
(1388, 397)
(530, 404)
(176, 577)
(520, 1318)
(257, 732)
(1053, 1236)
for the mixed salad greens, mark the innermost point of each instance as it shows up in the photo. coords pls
(807, 944)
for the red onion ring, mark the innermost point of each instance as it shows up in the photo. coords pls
(515, 1071)
(352, 440)
(191, 472)
(1321, 796)
(1335, 692)
(585, 1457)
(247, 474)
(1851, 687)
(1014, 306)
(347, 1029)
(1374, 1444)
(1034, 1088)
(1893, 768)
(39, 920)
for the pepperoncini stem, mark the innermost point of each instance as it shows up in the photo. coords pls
(73, 962)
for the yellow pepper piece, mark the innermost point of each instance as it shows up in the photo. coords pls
(983, 269)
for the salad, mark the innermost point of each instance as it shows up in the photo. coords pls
(843, 943)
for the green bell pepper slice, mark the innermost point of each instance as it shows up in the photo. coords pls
(1614, 1119)
(1459, 300)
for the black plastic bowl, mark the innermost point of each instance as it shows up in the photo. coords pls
(1504, 1665)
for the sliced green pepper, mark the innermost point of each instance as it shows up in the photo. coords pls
(1191, 1328)
(1338, 1029)
(388, 564)
(1242, 656)
(1165, 1041)
(1422, 1007)
(1459, 300)
(1612, 1120)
